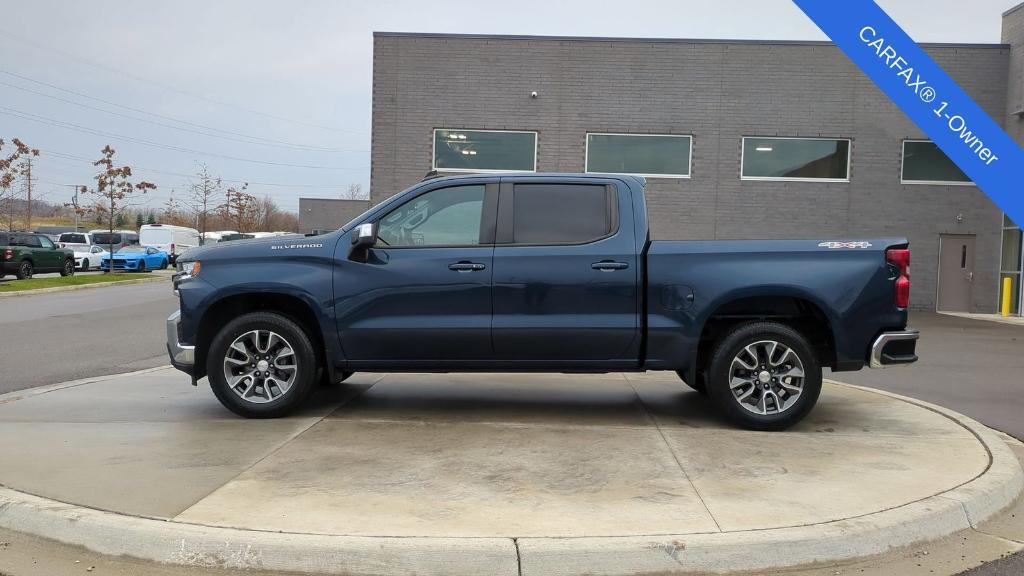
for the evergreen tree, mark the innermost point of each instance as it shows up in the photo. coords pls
(151, 219)
(138, 220)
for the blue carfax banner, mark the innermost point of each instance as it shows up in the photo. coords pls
(926, 94)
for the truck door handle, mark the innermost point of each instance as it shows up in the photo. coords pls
(609, 265)
(465, 266)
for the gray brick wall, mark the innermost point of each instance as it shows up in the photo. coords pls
(715, 91)
(327, 213)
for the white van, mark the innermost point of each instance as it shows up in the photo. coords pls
(171, 239)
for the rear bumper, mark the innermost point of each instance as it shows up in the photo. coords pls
(894, 349)
(183, 357)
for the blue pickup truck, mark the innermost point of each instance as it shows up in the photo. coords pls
(538, 273)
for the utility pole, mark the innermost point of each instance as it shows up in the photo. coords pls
(28, 192)
(74, 203)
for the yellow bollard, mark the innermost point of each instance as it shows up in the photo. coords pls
(1007, 294)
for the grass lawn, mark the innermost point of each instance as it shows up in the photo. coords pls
(14, 285)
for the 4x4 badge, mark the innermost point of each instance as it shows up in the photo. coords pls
(834, 244)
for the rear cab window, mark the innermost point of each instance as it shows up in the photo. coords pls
(106, 238)
(560, 214)
(73, 238)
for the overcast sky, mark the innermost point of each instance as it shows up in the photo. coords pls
(278, 93)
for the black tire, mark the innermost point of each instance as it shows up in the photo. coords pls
(25, 271)
(305, 361)
(720, 372)
(163, 264)
(699, 385)
(85, 264)
(142, 266)
(69, 268)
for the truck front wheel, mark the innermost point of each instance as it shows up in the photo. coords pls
(261, 365)
(764, 376)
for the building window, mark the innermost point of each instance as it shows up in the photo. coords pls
(1012, 262)
(655, 155)
(484, 151)
(814, 159)
(925, 163)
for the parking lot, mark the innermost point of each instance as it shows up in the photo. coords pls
(67, 335)
(478, 456)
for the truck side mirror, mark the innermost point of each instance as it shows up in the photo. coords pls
(364, 236)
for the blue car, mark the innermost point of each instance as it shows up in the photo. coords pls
(137, 258)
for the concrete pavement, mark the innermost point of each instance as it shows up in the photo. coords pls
(537, 474)
(57, 337)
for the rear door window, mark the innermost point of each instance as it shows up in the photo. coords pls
(562, 213)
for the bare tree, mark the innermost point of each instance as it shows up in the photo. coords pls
(239, 208)
(10, 169)
(204, 194)
(116, 190)
(354, 192)
(171, 212)
(269, 217)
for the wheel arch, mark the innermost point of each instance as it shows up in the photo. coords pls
(797, 309)
(296, 307)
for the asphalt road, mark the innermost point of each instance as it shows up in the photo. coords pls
(55, 337)
(975, 367)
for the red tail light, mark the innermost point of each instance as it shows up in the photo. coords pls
(172, 248)
(900, 258)
(8, 254)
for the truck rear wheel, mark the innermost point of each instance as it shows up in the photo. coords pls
(261, 365)
(764, 376)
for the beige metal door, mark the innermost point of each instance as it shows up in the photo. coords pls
(956, 272)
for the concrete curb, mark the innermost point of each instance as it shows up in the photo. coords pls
(56, 289)
(193, 545)
(931, 518)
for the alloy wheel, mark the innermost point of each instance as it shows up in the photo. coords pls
(766, 377)
(260, 366)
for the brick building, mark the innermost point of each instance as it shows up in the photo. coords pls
(737, 139)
